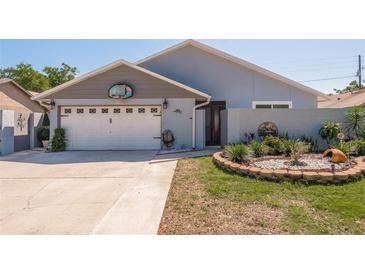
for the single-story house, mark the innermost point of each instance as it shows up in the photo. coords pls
(177, 98)
(19, 117)
(344, 100)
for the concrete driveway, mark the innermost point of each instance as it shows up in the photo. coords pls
(83, 192)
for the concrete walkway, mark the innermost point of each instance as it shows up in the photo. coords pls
(84, 192)
(139, 209)
(181, 155)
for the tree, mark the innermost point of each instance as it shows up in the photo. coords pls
(31, 79)
(352, 86)
(57, 76)
(26, 76)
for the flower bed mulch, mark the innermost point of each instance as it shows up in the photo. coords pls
(344, 174)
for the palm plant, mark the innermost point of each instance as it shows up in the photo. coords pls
(296, 150)
(355, 121)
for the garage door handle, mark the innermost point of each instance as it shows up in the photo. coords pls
(156, 114)
(157, 137)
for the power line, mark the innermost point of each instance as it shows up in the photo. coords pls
(347, 68)
(352, 62)
(311, 60)
(326, 79)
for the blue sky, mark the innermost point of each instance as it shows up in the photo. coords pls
(299, 60)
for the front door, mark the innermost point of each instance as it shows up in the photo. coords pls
(213, 123)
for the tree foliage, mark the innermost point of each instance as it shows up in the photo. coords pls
(57, 76)
(31, 79)
(26, 76)
(352, 86)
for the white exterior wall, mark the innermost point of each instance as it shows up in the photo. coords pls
(177, 117)
(226, 81)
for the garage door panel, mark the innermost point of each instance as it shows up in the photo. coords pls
(121, 130)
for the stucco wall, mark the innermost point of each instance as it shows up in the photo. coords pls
(224, 80)
(295, 122)
(176, 117)
(6, 132)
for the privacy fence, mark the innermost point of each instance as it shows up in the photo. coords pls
(235, 122)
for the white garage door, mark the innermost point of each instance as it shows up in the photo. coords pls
(117, 127)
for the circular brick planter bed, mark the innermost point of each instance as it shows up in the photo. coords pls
(318, 176)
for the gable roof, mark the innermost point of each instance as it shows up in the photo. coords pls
(110, 66)
(235, 60)
(345, 100)
(28, 93)
(7, 80)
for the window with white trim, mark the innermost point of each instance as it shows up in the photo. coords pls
(272, 104)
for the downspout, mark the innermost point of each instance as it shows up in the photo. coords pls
(194, 121)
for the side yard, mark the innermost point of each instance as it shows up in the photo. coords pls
(206, 200)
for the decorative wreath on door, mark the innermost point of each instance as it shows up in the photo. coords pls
(168, 138)
(266, 129)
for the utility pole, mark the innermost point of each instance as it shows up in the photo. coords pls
(359, 72)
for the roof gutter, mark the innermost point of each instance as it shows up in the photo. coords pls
(194, 120)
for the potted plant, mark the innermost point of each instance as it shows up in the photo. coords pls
(43, 136)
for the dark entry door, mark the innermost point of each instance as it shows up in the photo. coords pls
(213, 123)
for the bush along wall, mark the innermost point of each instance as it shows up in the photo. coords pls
(59, 141)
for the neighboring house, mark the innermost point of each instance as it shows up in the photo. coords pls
(185, 89)
(19, 116)
(344, 100)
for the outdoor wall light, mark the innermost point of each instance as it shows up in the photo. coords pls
(164, 104)
(52, 104)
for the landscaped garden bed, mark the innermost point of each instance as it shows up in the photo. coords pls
(277, 158)
(279, 169)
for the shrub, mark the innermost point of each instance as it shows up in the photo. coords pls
(275, 144)
(329, 131)
(360, 147)
(313, 144)
(297, 149)
(43, 134)
(237, 153)
(355, 121)
(59, 140)
(258, 149)
(347, 147)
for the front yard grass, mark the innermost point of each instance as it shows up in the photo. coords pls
(203, 199)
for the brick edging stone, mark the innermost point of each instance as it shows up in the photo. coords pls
(306, 177)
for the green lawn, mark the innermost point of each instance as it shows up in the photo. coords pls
(206, 200)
